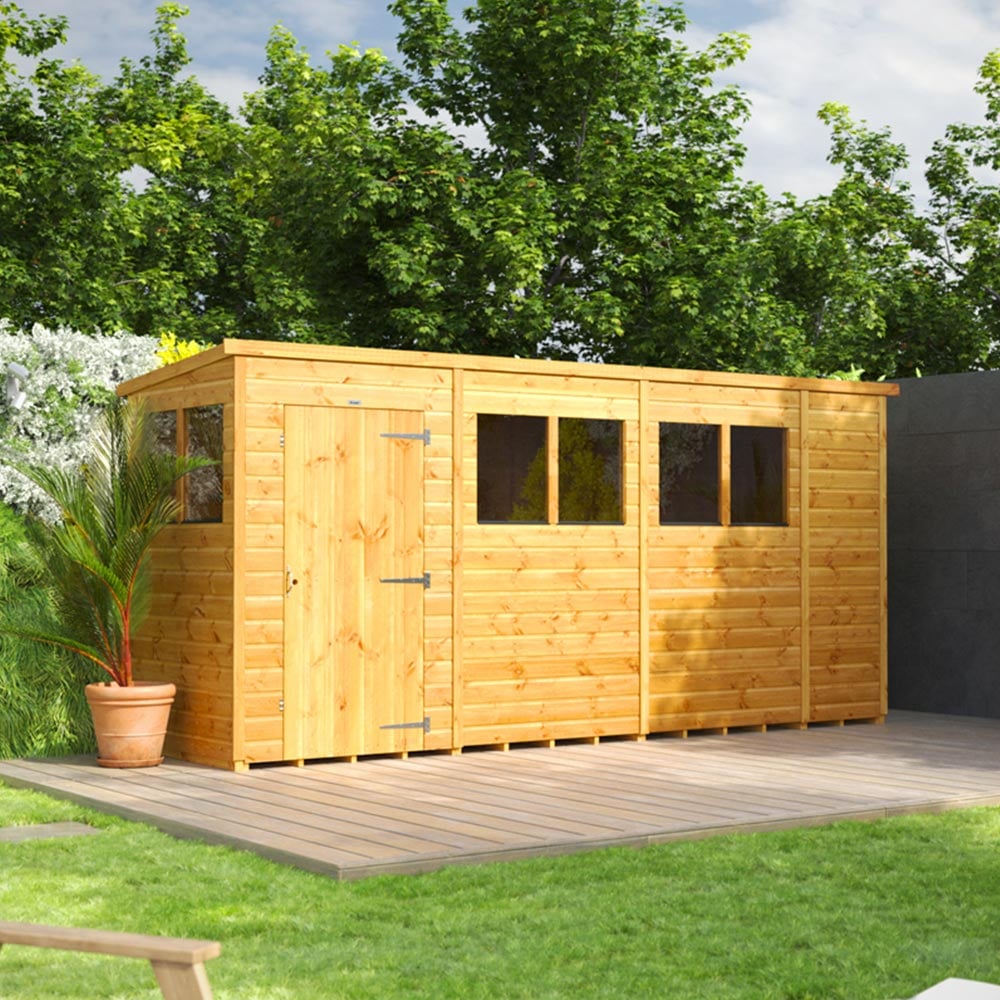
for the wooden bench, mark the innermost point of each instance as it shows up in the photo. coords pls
(177, 962)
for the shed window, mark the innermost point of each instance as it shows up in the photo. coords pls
(165, 431)
(513, 468)
(203, 487)
(689, 473)
(516, 484)
(758, 475)
(590, 471)
(164, 424)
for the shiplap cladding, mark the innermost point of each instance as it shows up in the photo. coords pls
(550, 612)
(530, 632)
(847, 557)
(725, 600)
(189, 636)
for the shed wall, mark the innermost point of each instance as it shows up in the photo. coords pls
(549, 614)
(268, 386)
(537, 632)
(188, 638)
(725, 602)
(847, 567)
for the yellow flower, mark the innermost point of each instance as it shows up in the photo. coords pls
(171, 349)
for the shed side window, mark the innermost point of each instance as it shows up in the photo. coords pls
(512, 468)
(165, 431)
(758, 475)
(689, 473)
(164, 423)
(203, 487)
(590, 471)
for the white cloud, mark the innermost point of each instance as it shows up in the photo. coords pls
(907, 64)
(229, 85)
(230, 37)
(101, 32)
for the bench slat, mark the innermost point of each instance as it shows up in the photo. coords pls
(182, 951)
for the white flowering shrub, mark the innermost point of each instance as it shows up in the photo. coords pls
(71, 376)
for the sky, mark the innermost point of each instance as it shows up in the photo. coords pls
(907, 64)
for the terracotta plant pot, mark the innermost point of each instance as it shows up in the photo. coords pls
(130, 722)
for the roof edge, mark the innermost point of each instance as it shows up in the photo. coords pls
(171, 371)
(430, 359)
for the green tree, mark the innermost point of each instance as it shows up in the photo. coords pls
(84, 244)
(603, 155)
(855, 272)
(631, 146)
(861, 279)
(183, 238)
(560, 179)
(965, 215)
(59, 192)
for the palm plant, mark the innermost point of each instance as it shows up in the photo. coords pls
(97, 557)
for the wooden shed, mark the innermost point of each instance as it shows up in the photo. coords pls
(407, 551)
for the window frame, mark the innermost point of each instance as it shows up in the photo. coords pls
(725, 483)
(552, 518)
(181, 443)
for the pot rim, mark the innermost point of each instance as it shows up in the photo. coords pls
(141, 690)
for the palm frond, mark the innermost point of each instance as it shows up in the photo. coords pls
(69, 643)
(97, 559)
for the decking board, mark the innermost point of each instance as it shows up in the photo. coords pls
(385, 815)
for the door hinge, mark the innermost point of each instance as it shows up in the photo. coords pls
(281, 441)
(425, 580)
(424, 435)
(425, 725)
(281, 704)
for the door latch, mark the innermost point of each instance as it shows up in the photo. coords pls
(424, 581)
(425, 725)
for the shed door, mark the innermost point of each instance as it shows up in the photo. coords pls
(355, 592)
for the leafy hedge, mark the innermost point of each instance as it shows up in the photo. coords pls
(43, 711)
(71, 377)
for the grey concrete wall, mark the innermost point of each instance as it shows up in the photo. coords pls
(944, 544)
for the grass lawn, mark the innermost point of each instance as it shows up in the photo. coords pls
(854, 910)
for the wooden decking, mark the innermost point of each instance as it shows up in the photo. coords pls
(387, 815)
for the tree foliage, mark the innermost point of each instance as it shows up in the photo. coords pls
(615, 127)
(545, 179)
(115, 203)
(859, 270)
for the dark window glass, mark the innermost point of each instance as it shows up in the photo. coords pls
(513, 469)
(590, 471)
(758, 475)
(165, 431)
(203, 488)
(164, 424)
(689, 474)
